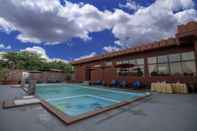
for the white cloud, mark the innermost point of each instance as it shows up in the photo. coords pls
(110, 48)
(152, 23)
(37, 50)
(131, 4)
(86, 56)
(185, 16)
(4, 47)
(26, 38)
(117, 42)
(176, 5)
(58, 59)
(6, 26)
(49, 22)
(41, 51)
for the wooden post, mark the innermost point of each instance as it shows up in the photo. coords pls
(146, 71)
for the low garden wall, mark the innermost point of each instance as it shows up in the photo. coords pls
(15, 77)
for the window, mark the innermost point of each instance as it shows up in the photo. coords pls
(188, 56)
(152, 67)
(174, 57)
(108, 63)
(158, 65)
(163, 69)
(163, 59)
(152, 60)
(173, 64)
(119, 62)
(140, 70)
(153, 70)
(175, 68)
(137, 69)
(125, 62)
(122, 62)
(122, 71)
(140, 61)
(189, 68)
(132, 62)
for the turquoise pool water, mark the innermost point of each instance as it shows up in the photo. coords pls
(74, 99)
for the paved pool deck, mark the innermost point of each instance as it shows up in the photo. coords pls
(159, 112)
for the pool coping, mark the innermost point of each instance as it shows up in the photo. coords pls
(6, 104)
(73, 119)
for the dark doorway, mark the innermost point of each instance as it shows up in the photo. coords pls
(88, 74)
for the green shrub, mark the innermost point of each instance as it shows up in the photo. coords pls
(4, 74)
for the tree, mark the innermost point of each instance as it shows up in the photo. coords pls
(3, 74)
(11, 58)
(23, 60)
(32, 61)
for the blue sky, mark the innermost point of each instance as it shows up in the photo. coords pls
(74, 29)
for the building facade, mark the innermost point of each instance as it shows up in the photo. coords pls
(170, 60)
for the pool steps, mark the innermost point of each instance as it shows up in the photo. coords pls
(25, 100)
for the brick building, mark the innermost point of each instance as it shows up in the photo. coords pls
(169, 60)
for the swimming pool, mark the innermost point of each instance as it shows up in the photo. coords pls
(76, 100)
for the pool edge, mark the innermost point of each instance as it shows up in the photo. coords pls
(71, 120)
